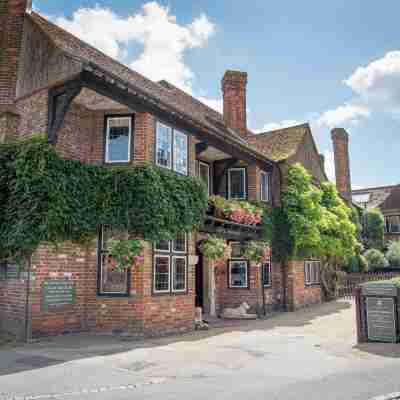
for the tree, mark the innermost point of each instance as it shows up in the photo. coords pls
(376, 259)
(373, 229)
(393, 254)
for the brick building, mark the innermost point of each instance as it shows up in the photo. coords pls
(100, 112)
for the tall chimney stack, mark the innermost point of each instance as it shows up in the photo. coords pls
(340, 139)
(12, 15)
(234, 94)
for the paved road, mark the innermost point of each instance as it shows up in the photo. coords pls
(305, 355)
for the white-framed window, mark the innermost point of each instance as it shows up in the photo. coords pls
(238, 274)
(118, 139)
(111, 281)
(392, 223)
(204, 174)
(264, 189)
(312, 272)
(170, 266)
(267, 272)
(179, 273)
(172, 149)
(237, 183)
(180, 152)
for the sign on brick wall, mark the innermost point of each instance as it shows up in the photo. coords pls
(58, 293)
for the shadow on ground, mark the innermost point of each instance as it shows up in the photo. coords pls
(390, 350)
(53, 351)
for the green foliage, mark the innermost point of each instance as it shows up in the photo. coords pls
(213, 248)
(373, 229)
(46, 198)
(357, 263)
(256, 251)
(125, 253)
(376, 259)
(393, 254)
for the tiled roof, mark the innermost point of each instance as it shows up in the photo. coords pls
(384, 197)
(280, 144)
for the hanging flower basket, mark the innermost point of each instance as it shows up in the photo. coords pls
(213, 248)
(125, 253)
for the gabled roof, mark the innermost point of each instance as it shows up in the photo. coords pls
(280, 144)
(184, 105)
(384, 197)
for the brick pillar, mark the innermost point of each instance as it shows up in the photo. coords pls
(12, 13)
(234, 93)
(144, 137)
(8, 125)
(340, 139)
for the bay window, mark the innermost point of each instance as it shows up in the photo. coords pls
(118, 139)
(312, 272)
(171, 149)
(237, 183)
(264, 190)
(170, 266)
(111, 281)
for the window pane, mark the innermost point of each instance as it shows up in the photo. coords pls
(393, 223)
(179, 273)
(118, 139)
(112, 280)
(237, 184)
(164, 145)
(179, 244)
(162, 245)
(161, 273)
(264, 187)
(238, 273)
(180, 152)
(266, 273)
(204, 175)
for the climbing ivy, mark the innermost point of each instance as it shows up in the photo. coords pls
(46, 198)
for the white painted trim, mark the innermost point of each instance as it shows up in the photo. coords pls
(109, 118)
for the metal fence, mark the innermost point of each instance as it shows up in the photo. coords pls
(346, 288)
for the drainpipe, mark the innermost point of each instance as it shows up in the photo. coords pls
(28, 332)
(262, 290)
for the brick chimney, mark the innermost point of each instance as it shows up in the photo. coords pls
(12, 14)
(340, 139)
(234, 93)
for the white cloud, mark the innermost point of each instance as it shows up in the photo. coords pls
(277, 125)
(342, 115)
(330, 165)
(215, 104)
(164, 40)
(378, 83)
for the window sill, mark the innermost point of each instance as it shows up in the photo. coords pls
(170, 294)
(312, 285)
(115, 295)
(238, 288)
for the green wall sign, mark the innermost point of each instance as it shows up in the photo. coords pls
(58, 293)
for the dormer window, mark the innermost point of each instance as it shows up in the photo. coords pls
(118, 139)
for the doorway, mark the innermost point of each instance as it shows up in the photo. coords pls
(199, 300)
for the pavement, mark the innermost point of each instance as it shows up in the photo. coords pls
(309, 354)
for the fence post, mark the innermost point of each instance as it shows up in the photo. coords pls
(360, 323)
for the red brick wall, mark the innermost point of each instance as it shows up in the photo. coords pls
(298, 293)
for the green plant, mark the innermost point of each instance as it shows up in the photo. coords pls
(357, 263)
(213, 248)
(373, 232)
(393, 254)
(376, 259)
(44, 198)
(219, 203)
(256, 251)
(125, 253)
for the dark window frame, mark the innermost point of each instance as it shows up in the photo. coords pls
(310, 282)
(388, 225)
(173, 129)
(247, 287)
(131, 138)
(228, 183)
(171, 254)
(100, 252)
(201, 162)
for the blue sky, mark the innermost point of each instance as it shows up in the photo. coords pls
(330, 63)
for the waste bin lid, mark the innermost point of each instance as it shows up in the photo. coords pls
(379, 288)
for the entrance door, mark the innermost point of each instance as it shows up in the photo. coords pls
(199, 282)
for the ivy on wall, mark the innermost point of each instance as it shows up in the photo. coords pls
(46, 198)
